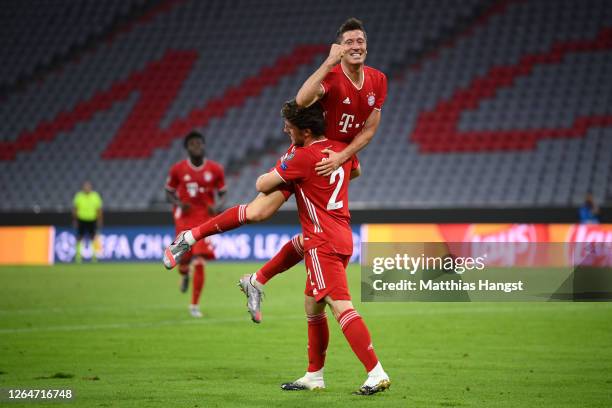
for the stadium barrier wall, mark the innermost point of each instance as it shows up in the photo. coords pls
(528, 215)
(146, 244)
(46, 245)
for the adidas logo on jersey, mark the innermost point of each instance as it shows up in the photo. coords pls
(347, 101)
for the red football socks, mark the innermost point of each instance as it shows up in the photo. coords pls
(318, 339)
(358, 336)
(228, 220)
(198, 282)
(289, 255)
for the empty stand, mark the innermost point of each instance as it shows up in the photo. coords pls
(117, 114)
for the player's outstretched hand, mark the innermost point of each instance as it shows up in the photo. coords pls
(330, 164)
(335, 54)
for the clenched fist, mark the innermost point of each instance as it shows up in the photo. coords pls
(335, 54)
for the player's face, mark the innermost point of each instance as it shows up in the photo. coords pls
(87, 187)
(296, 135)
(355, 46)
(195, 147)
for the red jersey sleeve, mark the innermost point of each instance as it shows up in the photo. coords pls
(282, 158)
(295, 167)
(381, 92)
(354, 162)
(173, 179)
(220, 182)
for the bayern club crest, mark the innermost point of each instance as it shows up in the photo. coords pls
(371, 98)
(207, 176)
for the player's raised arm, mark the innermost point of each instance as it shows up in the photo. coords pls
(361, 140)
(312, 90)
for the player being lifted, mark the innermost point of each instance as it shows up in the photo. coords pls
(192, 187)
(352, 95)
(328, 243)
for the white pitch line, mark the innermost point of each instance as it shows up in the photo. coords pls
(87, 327)
(208, 321)
(81, 308)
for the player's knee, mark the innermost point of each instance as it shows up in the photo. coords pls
(256, 213)
(339, 306)
(311, 307)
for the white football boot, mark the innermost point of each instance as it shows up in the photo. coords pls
(310, 381)
(377, 381)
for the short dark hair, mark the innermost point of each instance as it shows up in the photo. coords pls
(193, 135)
(305, 118)
(350, 25)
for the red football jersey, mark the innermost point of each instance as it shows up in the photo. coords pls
(196, 186)
(322, 201)
(347, 107)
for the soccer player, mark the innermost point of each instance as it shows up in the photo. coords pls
(328, 243)
(352, 95)
(192, 187)
(86, 217)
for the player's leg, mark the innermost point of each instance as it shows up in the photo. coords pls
(358, 336)
(252, 284)
(330, 271)
(184, 264)
(289, 255)
(78, 257)
(202, 251)
(260, 209)
(184, 269)
(318, 339)
(318, 334)
(355, 331)
(94, 247)
(198, 265)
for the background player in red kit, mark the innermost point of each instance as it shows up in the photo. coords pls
(352, 96)
(192, 187)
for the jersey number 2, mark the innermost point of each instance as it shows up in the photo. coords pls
(337, 174)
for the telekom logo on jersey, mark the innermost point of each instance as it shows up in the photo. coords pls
(346, 122)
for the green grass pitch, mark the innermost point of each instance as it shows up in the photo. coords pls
(123, 332)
